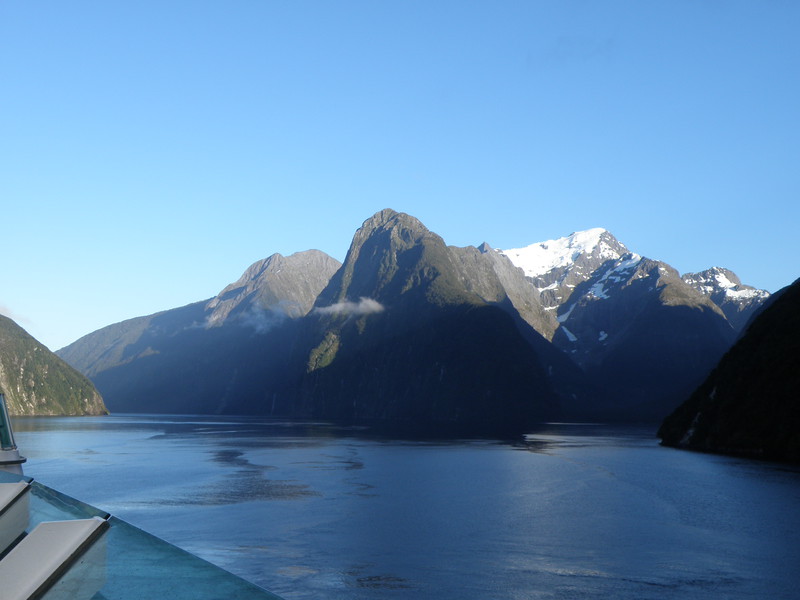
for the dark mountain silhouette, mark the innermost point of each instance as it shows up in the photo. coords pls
(749, 405)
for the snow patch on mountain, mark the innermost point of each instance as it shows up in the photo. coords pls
(598, 291)
(542, 257)
(618, 273)
(745, 294)
(570, 336)
(565, 316)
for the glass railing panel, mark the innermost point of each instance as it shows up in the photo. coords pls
(48, 504)
(140, 565)
(9, 477)
(127, 563)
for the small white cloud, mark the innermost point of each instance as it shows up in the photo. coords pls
(364, 306)
(261, 320)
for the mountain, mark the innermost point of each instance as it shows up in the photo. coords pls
(737, 301)
(37, 382)
(749, 405)
(521, 290)
(276, 287)
(412, 332)
(641, 333)
(496, 280)
(555, 267)
(206, 356)
(408, 332)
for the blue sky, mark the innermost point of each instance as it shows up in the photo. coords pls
(151, 151)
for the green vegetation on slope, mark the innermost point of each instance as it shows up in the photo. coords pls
(37, 382)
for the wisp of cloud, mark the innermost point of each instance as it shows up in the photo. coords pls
(364, 306)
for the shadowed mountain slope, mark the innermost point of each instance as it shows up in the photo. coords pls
(749, 405)
(210, 356)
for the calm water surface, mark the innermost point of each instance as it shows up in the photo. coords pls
(313, 511)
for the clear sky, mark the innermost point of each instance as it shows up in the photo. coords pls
(150, 151)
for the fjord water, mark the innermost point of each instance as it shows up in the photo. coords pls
(313, 511)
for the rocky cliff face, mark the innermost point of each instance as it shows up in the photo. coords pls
(749, 405)
(37, 382)
(603, 311)
(521, 291)
(281, 285)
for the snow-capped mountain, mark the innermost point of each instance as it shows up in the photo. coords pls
(637, 328)
(737, 301)
(542, 258)
(557, 266)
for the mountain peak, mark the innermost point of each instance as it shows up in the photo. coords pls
(737, 300)
(542, 257)
(386, 249)
(287, 285)
(724, 282)
(389, 219)
(381, 217)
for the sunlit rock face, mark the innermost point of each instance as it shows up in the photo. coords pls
(284, 285)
